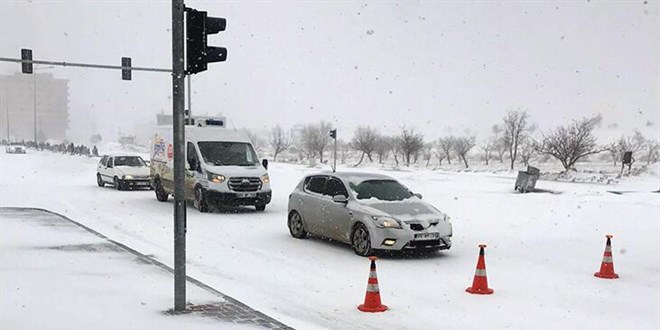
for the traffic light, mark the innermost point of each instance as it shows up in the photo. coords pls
(126, 68)
(198, 53)
(333, 134)
(26, 55)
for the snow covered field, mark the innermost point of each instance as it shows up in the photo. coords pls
(542, 249)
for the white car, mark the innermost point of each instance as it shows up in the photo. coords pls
(122, 171)
(15, 149)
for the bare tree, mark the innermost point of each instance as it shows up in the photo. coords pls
(515, 130)
(428, 152)
(633, 143)
(487, 147)
(257, 142)
(411, 144)
(383, 147)
(364, 140)
(440, 155)
(462, 146)
(568, 144)
(279, 141)
(527, 150)
(446, 144)
(396, 147)
(653, 148)
(315, 138)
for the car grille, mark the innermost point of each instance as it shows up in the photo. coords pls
(244, 184)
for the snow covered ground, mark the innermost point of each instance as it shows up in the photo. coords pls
(542, 250)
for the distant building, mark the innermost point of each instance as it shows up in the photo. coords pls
(17, 106)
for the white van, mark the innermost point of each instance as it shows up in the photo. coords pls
(222, 168)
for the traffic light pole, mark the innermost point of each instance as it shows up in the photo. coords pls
(178, 104)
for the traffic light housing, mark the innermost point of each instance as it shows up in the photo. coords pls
(333, 134)
(198, 53)
(126, 68)
(26, 55)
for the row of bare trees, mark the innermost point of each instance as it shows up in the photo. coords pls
(514, 138)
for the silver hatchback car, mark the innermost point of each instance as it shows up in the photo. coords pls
(369, 211)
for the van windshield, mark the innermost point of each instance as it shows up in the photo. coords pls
(228, 153)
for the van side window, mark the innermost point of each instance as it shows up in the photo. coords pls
(104, 160)
(191, 154)
(315, 184)
(335, 187)
(110, 162)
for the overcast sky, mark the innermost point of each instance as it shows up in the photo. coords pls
(428, 65)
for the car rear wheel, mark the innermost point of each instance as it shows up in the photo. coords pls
(200, 201)
(99, 180)
(161, 194)
(296, 226)
(360, 241)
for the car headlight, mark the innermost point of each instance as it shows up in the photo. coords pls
(217, 178)
(128, 177)
(385, 222)
(265, 178)
(448, 219)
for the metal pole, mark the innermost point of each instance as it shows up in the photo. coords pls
(34, 86)
(178, 104)
(334, 169)
(7, 107)
(189, 91)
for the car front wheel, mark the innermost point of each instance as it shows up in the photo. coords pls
(296, 226)
(118, 184)
(99, 180)
(360, 241)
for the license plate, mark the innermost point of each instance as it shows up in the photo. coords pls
(247, 195)
(427, 236)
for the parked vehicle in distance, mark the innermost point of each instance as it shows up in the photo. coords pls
(222, 168)
(368, 211)
(123, 172)
(15, 149)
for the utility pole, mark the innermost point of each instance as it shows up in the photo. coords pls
(178, 105)
(189, 91)
(34, 93)
(333, 134)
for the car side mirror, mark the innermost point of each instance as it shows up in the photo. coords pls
(264, 162)
(340, 199)
(418, 196)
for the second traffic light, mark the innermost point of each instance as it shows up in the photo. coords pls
(333, 134)
(198, 53)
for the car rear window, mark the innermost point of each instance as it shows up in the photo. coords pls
(315, 184)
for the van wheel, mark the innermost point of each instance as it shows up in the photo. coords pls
(260, 207)
(99, 180)
(200, 201)
(161, 194)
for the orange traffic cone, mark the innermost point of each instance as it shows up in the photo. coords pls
(372, 302)
(480, 283)
(607, 266)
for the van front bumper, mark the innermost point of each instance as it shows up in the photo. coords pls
(237, 199)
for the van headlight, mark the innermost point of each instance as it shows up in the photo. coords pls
(265, 178)
(216, 178)
(386, 222)
(448, 219)
(128, 177)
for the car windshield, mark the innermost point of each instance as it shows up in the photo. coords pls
(132, 161)
(385, 190)
(228, 153)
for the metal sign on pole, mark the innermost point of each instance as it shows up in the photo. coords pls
(178, 104)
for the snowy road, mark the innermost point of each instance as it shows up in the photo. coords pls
(542, 249)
